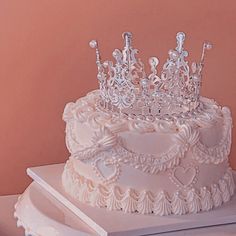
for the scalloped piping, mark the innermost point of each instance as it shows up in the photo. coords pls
(148, 163)
(187, 138)
(218, 153)
(147, 202)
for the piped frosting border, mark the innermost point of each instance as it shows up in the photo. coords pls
(146, 202)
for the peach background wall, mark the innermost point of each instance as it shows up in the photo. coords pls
(45, 62)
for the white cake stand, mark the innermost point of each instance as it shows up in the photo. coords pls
(40, 214)
(43, 209)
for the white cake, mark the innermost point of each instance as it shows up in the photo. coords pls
(151, 145)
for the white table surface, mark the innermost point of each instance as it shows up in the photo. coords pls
(8, 223)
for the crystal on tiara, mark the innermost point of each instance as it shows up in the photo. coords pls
(126, 88)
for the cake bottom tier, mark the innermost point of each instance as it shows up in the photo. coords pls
(130, 200)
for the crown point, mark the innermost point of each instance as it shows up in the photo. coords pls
(208, 45)
(126, 34)
(180, 36)
(93, 43)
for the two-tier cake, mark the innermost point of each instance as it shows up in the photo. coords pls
(148, 143)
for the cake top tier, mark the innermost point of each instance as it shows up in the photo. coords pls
(125, 87)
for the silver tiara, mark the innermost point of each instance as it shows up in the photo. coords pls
(126, 88)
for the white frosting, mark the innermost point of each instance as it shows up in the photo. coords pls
(129, 201)
(173, 166)
(98, 198)
(178, 204)
(206, 199)
(193, 201)
(114, 199)
(84, 194)
(145, 201)
(176, 138)
(224, 190)
(216, 195)
(162, 205)
(230, 180)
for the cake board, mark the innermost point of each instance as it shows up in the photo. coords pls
(116, 223)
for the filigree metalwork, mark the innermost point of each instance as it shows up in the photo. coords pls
(125, 87)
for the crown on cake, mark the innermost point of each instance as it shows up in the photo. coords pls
(125, 87)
